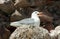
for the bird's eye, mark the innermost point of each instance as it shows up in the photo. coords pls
(37, 14)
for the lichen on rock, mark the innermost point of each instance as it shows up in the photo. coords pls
(30, 32)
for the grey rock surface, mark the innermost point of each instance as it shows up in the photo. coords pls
(30, 32)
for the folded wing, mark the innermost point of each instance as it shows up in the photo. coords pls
(27, 21)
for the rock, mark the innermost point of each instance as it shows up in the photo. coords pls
(4, 34)
(13, 1)
(57, 28)
(49, 26)
(21, 3)
(37, 3)
(30, 32)
(16, 16)
(46, 20)
(55, 34)
(29, 3)
(8, 7)
(3, 1)
(25, 3)
(11, 28)
(57, 22)
(54, 9)
(58, 36)
(45, 17)
(26, 12)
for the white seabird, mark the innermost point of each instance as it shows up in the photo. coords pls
(34, 20)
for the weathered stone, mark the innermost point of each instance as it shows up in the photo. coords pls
(55, 34)
(30, 32)
(21, 3)
(58, 29)
(4, 34)
(8, 7)
(16, 16)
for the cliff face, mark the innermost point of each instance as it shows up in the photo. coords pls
(24, 8)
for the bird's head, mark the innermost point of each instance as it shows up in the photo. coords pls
(35, 14)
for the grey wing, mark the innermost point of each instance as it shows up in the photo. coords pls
(27, 21)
